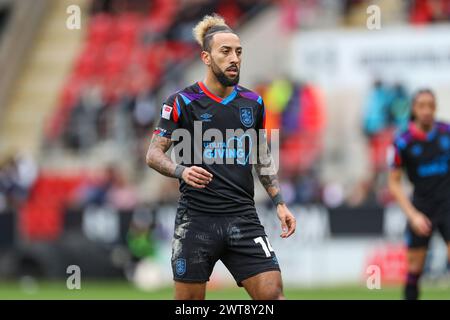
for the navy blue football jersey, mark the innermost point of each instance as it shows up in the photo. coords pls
(231, 190)
(426, 160)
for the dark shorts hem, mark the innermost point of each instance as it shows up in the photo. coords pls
(239, 281)
(190, 280)
(414, 241)
(417, 246)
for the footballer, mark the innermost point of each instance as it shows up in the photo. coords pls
(423, 152)
(216, 217)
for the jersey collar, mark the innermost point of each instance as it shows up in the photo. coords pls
(211, 95)
(418, 134)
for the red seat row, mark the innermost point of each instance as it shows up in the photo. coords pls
(41, 218)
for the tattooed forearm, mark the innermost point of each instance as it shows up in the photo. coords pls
(269, 181)
(157, 158)
(265, 169)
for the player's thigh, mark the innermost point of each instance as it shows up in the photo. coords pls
(195, 248)
(418, 245)
(417, 250)
(444, 224)
(248, 251)
(265, 286)
(189, 291)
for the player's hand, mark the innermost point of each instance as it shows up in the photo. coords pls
(420, 224)
(288, 222)
(196, 177)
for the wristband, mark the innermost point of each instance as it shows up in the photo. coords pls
(179, 171)
(278, 199)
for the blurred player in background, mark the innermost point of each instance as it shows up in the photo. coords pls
(423, 151)
(216, 216)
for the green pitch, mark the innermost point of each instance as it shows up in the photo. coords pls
(124, 290)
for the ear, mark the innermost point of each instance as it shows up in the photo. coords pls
(206, 57)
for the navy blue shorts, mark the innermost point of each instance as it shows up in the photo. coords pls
(439, 214)
(240, 242)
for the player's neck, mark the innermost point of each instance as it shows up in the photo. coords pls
(423, 126)
(216, 87)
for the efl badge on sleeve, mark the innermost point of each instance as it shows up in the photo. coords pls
(166, 111)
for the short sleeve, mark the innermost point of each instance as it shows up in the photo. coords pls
(169, 117)
(394, 157)
(261, 118)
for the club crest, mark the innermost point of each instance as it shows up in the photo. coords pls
(246, 114)
(180, 266)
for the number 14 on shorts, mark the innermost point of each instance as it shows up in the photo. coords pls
(266, 247)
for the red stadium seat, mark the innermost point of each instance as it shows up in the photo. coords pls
(179, 50)
(101, 28)
(41, 217)
(127, 27)
(230, 11)
(87, 63)
(116, 57)
(162, 14)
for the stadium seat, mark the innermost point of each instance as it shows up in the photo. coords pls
(41, 216)
(101, 28)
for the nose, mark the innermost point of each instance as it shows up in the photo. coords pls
(234, 58)
(429, 110)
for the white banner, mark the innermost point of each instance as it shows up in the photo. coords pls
(416, 56)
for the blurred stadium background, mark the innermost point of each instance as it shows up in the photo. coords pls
(77, 108)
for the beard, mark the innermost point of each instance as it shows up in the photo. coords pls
(221, 76)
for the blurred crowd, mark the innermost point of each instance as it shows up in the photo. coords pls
(109, 188)
(387, 109)
(298, 110)
(386, 112)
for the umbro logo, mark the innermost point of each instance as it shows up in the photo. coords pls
(206, 117)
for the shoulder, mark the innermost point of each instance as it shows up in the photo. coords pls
(249, 94)
(184, 96)
(443, 127)
(402, 139)
(171, 99)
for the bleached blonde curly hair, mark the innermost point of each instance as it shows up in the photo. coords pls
(207, 28)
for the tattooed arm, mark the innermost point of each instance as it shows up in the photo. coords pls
(270, 181)
(266, 172)
(158, 160)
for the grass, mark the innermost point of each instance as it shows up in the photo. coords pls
(112, 290)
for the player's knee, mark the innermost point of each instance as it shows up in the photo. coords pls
(415, 269)
(189, 292)
(276, 295)
(189, 296)
(415, 265)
